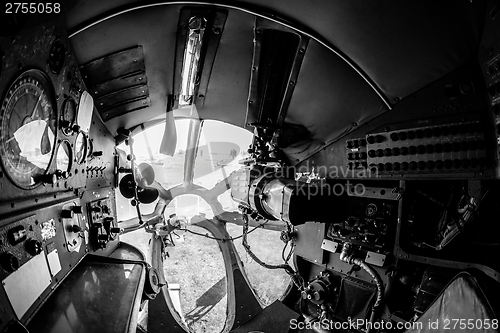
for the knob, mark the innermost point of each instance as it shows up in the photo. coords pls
(445, 130)
(471, 128)
(96, 209)
(474, 162)
(67, 214)
(438, 148)
(402, 136)
(105, 209)
(99, 153)
(472, 145)
(405, 165)
(49, 179)
(448, 164)
(421, 149)
(62, 174)
(464, 145)
(75, 128)
(419, 133)
(356, 156)
(388, 166)
(462, 129)
(404, 151)
(456, 146)
(421, 165)
(115, 230)
(370, 139)
(349, 144)
(411, 135)
(412, 150)
(430, 165)
(77, 209)
(413, 165)
(436, 131)
(394, 136)
(33, 246)
(439, 164)
(350, 165)
(480, 145)
(350, 156)
(373, 167)
(387, 152)
(396, 166)
(465, 162)
(362, 142)
(380, 167)
(457, 163)
(428, 132)
(356, 143)
(447, 147)
(429, 149)
(372, 153)
(454, 130)
(395, 151)
(380, 152)
(379, 138)
(9, 261)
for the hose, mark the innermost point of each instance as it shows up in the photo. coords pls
(347, 255)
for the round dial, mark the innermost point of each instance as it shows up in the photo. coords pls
(68, 115)
(28, 123)
(81, 148)
(64, 158)
(371, 210)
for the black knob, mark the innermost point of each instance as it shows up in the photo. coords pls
(465, 162)
(404, 151)
(96, 209)
(350, 156)
(97, 153)
(396, 166)
(447, 147)
(362, 156)
(472, 145)
(379, 138)
(457, 163)
(405, 165)
(421, 149)
(402, 136)
(9, 261)
(370, 139)
(115, 230)
(480, 145)
(428, 132)
(395, 151)
(456, 146)
(394, 136)
(471, 128)
(33, 246)
(474, 162)
(372, 153)
(411, 135)
(464, 145)
(349, 144)
(454, 130)
(438, 148)
(436, 131)
(439, 164)
(462, 129)
(362, 142)
(67, 214)
(380, 152)
(448, 164)
(356, 156)
(388, 166)
(387, 152)
(413, 165)
(430, 165)
(412, 150)
(445, 130)
(421, 165)
(419, 133)
(429, 149)
(356, 143)
(373, 168)
(380, 167)
(350, 165)
(357, 165)
(77, 209)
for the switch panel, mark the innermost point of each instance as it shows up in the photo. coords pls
(103, 228)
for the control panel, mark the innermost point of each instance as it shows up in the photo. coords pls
(452, 147)
(357, 154)
(371, 224)
(103, 227)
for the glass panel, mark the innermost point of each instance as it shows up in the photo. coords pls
(268, 284)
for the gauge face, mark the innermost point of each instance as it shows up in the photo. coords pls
(81, 148)
(68, 115)
(371, 210)
(64, 157)
(28, 122)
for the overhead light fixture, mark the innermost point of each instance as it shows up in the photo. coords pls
(191, 61)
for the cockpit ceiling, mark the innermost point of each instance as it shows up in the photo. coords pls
(399, 46)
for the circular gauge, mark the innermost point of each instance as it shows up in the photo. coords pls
(81, 148)
(371, 210)
(68, 115)
(64, 158)
(28, 123)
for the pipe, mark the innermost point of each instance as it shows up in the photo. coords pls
(347, 255)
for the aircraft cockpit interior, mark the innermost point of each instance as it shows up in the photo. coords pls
(249, 166)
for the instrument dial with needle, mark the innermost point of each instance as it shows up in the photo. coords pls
(28, 123)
